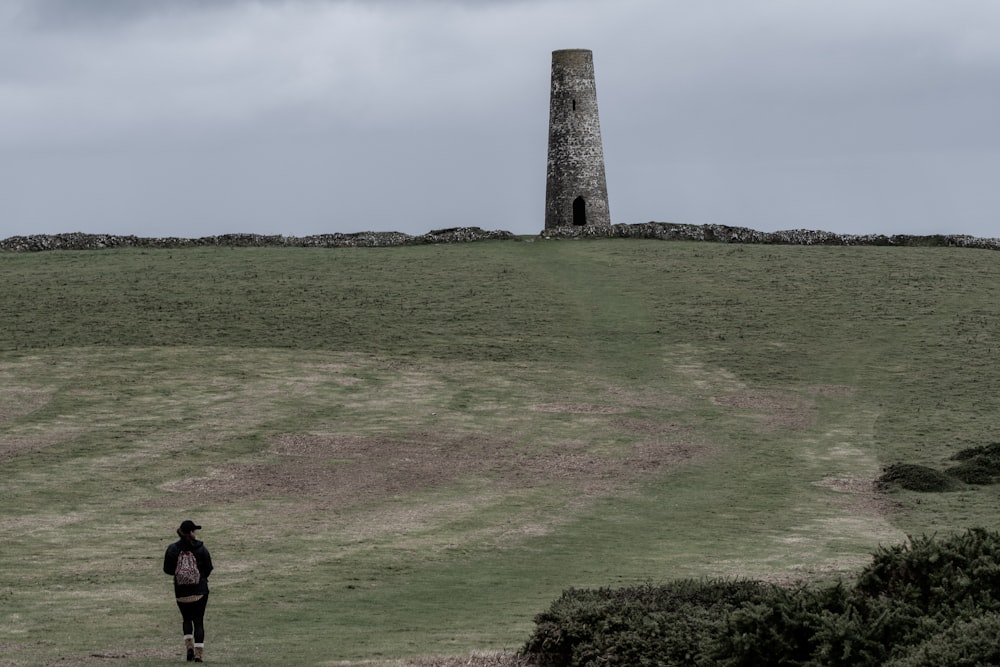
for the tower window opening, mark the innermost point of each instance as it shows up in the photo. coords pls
(579, 211)
(574, 105)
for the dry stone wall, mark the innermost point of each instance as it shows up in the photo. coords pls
(664, 231)
(668, 231)
(80, 241)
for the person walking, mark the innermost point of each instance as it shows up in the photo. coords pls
(189, 562)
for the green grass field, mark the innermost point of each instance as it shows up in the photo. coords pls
(408, 452)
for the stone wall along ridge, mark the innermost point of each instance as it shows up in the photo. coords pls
(663, 231)
(81, 241)
(669, 231)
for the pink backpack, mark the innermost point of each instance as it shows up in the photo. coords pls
(186, 571)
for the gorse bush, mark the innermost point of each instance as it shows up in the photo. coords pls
(828, 626)
(913, 477)
(672, 624)
(978, 465)
(970, 643)
(931, 601)
(961, 571)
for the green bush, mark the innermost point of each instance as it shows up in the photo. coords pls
(960, 571)
(811, 626)
(672, 624)
(966, 643)
(907, 593)
(919, 602)
(979, 465)
(913, 477)
(780, 631)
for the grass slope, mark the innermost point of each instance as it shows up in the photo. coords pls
(411, 451)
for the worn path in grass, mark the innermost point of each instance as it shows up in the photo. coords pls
(408, 452)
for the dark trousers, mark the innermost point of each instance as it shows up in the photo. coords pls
(194, 618)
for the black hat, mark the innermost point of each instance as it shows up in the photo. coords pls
(189, 526)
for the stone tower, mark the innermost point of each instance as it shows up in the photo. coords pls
(576, 192)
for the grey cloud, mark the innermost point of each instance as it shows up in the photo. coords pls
(105, 13)
(69, 14)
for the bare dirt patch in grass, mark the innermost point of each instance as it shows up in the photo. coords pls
(645, 399)
(861, 496)
(800, 574)
(579, 408)
(501, 659)
(832, 390)
(342, 373)
(117, 657)
(136, 654)
(19, 401)
(37, 523)
(14, 445)
(647, 427)
(704, 376)
(341, 471)
(777, 411)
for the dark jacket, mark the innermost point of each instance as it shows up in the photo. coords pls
(197, 547)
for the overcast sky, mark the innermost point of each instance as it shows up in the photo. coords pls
(297, 117)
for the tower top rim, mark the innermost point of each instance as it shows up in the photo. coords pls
(572, 51)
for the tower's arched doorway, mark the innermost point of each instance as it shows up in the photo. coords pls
(579, 211)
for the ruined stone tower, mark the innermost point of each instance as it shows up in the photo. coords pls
(576, 192)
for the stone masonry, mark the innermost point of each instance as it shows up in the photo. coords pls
(663, 231)
(576, 191)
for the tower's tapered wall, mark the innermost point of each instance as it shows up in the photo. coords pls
(576, 192)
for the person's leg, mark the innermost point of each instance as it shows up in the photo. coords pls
(187, 627)
(198, 619)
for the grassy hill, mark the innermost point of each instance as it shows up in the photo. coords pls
(411, 451)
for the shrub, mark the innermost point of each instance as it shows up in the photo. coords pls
(913, 477)
(979, 465)
(811, 626)
(985, 451)
(672, 624)
(966, 643)
(929, 600)
(781, 631)
(960, 571)
(907, 593)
